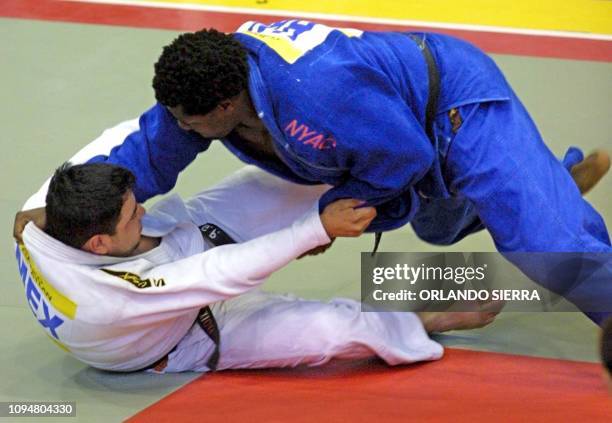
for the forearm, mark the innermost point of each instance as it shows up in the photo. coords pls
(155, 153)
(250, 263)
(226, 271)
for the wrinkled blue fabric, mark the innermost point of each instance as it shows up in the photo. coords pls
(351, 113)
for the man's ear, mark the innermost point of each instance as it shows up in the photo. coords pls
(226, 105)
(98, 244)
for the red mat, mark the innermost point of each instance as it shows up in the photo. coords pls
(463, 386)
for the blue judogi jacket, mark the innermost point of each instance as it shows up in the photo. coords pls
(344, 107)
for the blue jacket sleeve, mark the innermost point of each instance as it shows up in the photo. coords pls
(156, 153)
(384, 148)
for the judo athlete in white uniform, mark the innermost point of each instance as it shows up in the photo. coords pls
(127, 299)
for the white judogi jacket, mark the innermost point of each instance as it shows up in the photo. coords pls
(126, 321)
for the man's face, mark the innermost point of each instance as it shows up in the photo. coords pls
(129, 227)
(216, 124)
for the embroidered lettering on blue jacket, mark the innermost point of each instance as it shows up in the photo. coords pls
(292, 28)
(304, 135)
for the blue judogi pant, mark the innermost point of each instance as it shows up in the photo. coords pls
(502, 177)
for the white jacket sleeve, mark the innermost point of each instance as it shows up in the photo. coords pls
(101, 145)
(219, 273)
(250, 203)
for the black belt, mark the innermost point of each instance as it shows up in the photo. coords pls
(207, 322)
(434, 86)
(216, 237)
(432, 103)
(205, 319)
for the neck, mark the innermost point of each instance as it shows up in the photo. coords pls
(249, 118)
(146, 243)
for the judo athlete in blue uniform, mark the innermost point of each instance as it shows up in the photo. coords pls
(422, 126)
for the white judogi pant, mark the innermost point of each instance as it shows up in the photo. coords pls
(261, 330)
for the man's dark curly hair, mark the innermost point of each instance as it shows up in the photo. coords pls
(200, 69)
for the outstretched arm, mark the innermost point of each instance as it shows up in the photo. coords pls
(155, 153)
(230, 270)
(155, 149)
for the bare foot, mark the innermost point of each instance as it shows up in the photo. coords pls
(442, 321)
(588, 172)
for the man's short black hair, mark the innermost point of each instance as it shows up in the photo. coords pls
(85, 200)
(200, 69)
